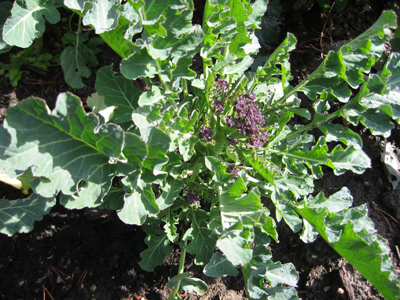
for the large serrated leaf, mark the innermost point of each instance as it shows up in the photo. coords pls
(351, 233)
(20, 215)
(27, 21)
(60, 143)
(338, 159)
(233, 208)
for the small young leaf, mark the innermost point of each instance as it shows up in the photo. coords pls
(189, 284)
(75, 62)
(158, 249)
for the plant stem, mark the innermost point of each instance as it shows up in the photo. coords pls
(180, 271)
(313, 123)
(292, 92)
(185, 88)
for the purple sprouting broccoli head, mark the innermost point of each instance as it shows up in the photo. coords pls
(249, 120)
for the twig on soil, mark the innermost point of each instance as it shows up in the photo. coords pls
(387, 214)
(381, 212)
(55, 270)
(58, 271)
(46, 291)
(110, 218)
(82, 278)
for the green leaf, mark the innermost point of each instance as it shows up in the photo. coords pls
(5, 12)
(114, 200)
(218, 168)
(201, 242)
(59, 143)
(284, 207)
(103, 15)
(233, 208)
(139, 64)
(336, 133)
(234, 246)
(119, 92)
(158, 249)
(349, 159)
(27, 21)
(158, 144)
(270, 26)
(220, 266)
(20, 215)
(171, 219)
(338, 159)
(76, 60)
(150, 97)
(138, 205)
(351, 233)
(360, 54)
(277, 275)
(97, 105)
(386, 99)
(171, 190)
(189, 284)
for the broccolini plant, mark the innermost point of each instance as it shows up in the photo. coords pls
(192, 157)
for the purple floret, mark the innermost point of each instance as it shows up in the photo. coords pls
(192, 196)
(222, 84)
(218, 107)
(205, 133)
(231, 121)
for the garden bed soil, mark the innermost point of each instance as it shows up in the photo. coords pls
(91, 254)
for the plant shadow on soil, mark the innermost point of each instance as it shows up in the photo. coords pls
(91, 254)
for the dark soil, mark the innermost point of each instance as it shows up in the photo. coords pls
(91, 254)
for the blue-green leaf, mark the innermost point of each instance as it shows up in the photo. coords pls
(27, 21)
(154, 255)
(220, 266)
(60, 143)
(20, 215)
(119, 92)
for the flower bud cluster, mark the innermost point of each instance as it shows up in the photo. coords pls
(205, 133)
(192, 196)
(249, 119)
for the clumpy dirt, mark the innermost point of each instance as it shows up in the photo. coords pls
(91, 254)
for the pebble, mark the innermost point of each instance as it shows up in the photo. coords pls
(93, 288)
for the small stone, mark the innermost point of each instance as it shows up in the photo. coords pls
(340, 291)
(327, 288)
(93, 288)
